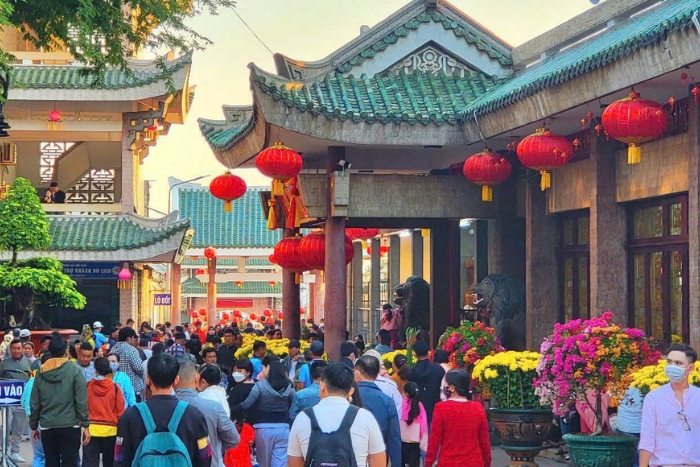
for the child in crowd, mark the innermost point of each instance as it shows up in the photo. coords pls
(240, 456)
(414, 426)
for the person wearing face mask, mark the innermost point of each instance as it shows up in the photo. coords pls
(209, 388)
(239, 388)
(122, 380)
(670, 434)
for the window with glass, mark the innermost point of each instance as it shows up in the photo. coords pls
(574, 232)
(658, 265)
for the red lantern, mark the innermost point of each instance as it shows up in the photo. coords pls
(194, 315)
(272, 259)
(55, 120)
(267, 312)
(696, 93)
(544, 151)
(280, 316)
(225, 316)
(199, 271)
(272, 283)
(253, 316)
(634, 121)
(312, 250)
(209, 252)
(361, 234)
(239, 283)
(236, 313)
(227, 187)
(287, 255)
(486, 169)
(202, 312)
(279, 163)
(383, 250)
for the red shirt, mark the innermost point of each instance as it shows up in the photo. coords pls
(240, 455)
(460, 433)
(202, 335)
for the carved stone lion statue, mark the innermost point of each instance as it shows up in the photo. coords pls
(413, 296)
(500, 302)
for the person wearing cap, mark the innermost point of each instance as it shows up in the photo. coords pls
(293, 360)
(100, 338)
(24, 335)
(317, 350)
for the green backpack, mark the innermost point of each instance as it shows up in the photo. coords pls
(165, 448)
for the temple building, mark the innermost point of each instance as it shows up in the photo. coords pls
(91, 139)
(385, 123)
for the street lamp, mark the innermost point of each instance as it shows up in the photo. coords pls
(170, 190)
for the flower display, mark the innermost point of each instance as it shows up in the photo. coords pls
(508, 378)
(388, 360)
(469, 342)
(275, 346)
(593, 354)
(651, 377)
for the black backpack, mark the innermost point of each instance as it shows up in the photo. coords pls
(331, 449)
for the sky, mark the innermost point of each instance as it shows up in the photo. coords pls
(304, 30)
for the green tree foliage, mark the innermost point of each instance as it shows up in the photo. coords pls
(34, 281)
(107, 32)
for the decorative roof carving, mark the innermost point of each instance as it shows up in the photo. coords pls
(432, 59)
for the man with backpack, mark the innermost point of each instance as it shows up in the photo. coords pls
(335, 432)
(162, 431)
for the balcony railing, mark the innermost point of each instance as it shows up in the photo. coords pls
(87, 209)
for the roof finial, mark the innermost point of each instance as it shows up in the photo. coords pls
(431, 3)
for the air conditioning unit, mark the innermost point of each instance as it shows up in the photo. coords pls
(8, 154)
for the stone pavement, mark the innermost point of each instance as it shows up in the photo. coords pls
(500, 459)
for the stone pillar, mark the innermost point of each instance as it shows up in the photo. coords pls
(507, 234)
(541, 285)
(291, 300)
(374, 286)
(335, 302)
(211, 292)
(394, 263)
(444, 276)
(176, 297)
(126, 305)
(417, 253)
(129, 171)
(694, 223)
(356, 288)
(608, 236)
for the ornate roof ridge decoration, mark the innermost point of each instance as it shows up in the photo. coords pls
(223, 134)
(145, 72)
(389, 31)
(644, 30)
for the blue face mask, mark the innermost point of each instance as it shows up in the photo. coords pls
(114, 366)
(675, 373)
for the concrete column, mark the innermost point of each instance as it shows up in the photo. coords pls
(541, 285)
(291, 300)
(394, 263)
(211, 292)
(444, 276)
(335, 302)
(175, 292)
(356, 288)
(417, 253)
(694, 223)
(126, 305)
(608, 236)
(128, 167)
(374, 287)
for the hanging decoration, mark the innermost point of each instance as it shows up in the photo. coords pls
(209, 252)
(272, 283)
(272, 258)
(225, 316)
(383, 251)
(236, 313)
(294, 213)
(200, 271)
(634, 120)
(544, 151)
(202, 312)
(287, 256)
(487, 169)
(312, 250)
(280, 163)
(267, 312)
(239, 284)
(696, 93)
(55, 120)
(227, 187)
(280, 316)
(124, 281)
(253, 316)
(194, 314)
(361, 234)
(671, 102)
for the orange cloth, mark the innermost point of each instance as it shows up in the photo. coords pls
(105, 406)
(202, 335)
(240, 455)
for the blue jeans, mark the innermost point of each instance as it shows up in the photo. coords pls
(271, 440)
(39, 458)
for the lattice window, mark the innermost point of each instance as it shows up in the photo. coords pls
(49, 152)
(74, 35)
(97, 186)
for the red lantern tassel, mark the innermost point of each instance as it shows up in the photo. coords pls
(634, 154)
(292, 214)
(271, 217)
(297, 278)
(227, 206)
(545, 180)
(486, 193)
(277, 188)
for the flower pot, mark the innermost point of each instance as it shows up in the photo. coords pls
(601, 451)
(522, 432)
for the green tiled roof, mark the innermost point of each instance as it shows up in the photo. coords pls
(75, 77)
(643, 30)
(244, 227)
(258, 262)
(385, 97)
(227, 262)
(192, 286)
(220, 135)
(459, 30)
(106, 233)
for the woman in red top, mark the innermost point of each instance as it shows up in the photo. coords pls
(459, 433)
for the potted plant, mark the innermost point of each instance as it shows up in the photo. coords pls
(653, 376)
(583, 361)
(507, 378)
(468, 343)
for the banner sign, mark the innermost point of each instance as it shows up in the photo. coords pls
(162, 299)
(92, 270)
(11, 392)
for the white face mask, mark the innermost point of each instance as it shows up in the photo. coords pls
(238, 377)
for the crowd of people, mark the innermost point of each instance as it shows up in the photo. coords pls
(180, 392)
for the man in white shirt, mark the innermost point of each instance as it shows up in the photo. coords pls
(335, 389)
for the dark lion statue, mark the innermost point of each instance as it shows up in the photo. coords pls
(413, 296)
(500, 301)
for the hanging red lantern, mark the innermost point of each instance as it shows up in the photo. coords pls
(361, 234)
(272, 283)
(287, 256)
(280, 163)
(225, 316)
(267, 312)
(194, 314)
(383, 250)
(280, 316)
(236, 313)
(696, 93)
(544, 151)
(227, 187)
(253, 316)
(486, 169)
(199, 272)
(634, 121)
(209, 252)
(55, 120)
(203, 312)
(272, 259)
(239, 284)
(312, 250)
